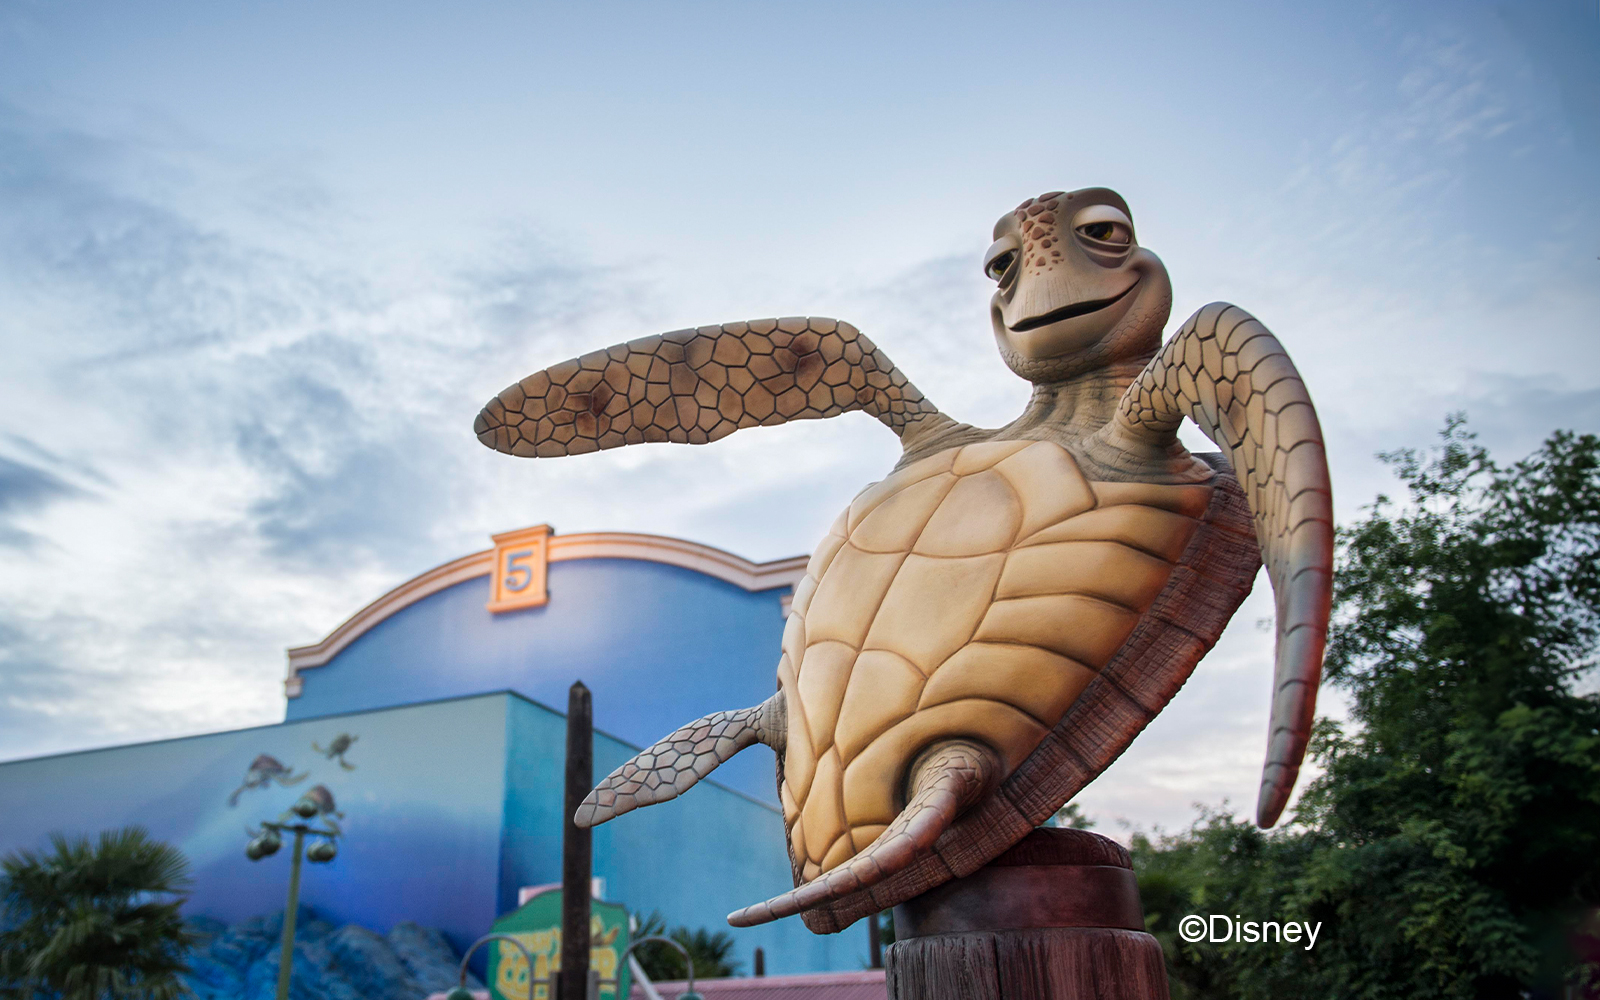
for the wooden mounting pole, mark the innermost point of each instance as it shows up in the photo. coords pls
(1056, 917)
(576, 848)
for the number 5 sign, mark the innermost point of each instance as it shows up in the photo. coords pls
(518, 577)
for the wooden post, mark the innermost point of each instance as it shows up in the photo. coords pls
(874, 942)
(1056, 917)
(760, 962)
(576, 848)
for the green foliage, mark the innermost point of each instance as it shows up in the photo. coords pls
(1223, 865)
(1070, 817)
(885, 919)
(82, 920)
(1451, 845)
(663, 963)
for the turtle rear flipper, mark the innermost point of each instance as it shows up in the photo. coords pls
(948, 779)
(673, 765)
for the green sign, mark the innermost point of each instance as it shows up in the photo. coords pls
(537, 924)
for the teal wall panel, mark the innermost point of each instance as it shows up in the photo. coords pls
(423, 808)
(695, 859)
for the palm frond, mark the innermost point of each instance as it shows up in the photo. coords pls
(85, 919)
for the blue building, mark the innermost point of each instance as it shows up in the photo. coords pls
(426, 716)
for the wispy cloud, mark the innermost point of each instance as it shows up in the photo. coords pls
(26, 489)
(287, 438)
(234, 409)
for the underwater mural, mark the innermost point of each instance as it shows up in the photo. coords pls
(336, 750)
(326, 810)
(264, 770)
(443, 831)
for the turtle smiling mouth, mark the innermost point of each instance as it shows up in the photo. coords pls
(1069, 311)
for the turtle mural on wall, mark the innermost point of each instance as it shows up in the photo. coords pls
(265, 770)
(327, 810)
(983, 631)
(323, 803)
(337, 749)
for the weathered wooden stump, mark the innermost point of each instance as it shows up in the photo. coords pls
(1057, 916)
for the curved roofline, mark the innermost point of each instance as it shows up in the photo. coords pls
(714, 562)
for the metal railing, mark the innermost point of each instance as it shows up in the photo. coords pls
(595, 982)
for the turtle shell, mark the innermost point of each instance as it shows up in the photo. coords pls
(976, 593)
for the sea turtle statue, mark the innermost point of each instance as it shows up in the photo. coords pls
(983, 631)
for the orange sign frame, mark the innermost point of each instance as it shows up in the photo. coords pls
(521, 566)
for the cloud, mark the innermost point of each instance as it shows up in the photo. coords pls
(25, 489)
(287, 438)
(34, 689)
(289, 434)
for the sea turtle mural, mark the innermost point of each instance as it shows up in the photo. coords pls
(336, 749)
(322, 798)
(985, 629)
(264, 770)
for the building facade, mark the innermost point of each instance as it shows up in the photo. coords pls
(427, 717)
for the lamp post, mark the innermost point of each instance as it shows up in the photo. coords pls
(270, 839)
(688, 962)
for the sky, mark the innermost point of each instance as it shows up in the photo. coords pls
(262, 263)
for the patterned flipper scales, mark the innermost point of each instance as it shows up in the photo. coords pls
(696, 386)
(673, 765)
(1227, 372)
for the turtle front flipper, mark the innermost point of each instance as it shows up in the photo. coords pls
(1228, 373)
(673, 765)
(695, 386)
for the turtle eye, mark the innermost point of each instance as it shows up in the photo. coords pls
(1105, 232)
(997, 267)
(1112, 233)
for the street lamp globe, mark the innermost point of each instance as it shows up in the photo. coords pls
(321, 852)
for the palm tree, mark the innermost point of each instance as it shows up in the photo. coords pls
(94, 921)
(709, 951)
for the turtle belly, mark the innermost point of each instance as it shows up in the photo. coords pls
(973, 594)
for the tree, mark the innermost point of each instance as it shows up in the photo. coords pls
(1070, 817)
(85, 921)
(662, 963)
(1451, 845)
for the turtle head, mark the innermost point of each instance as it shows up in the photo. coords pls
(1076, 290)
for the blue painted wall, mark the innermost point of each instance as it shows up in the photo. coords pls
(423, 810)
(696, 858)
(658, 646)
(451, 807)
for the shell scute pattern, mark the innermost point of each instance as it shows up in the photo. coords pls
(976, 592)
